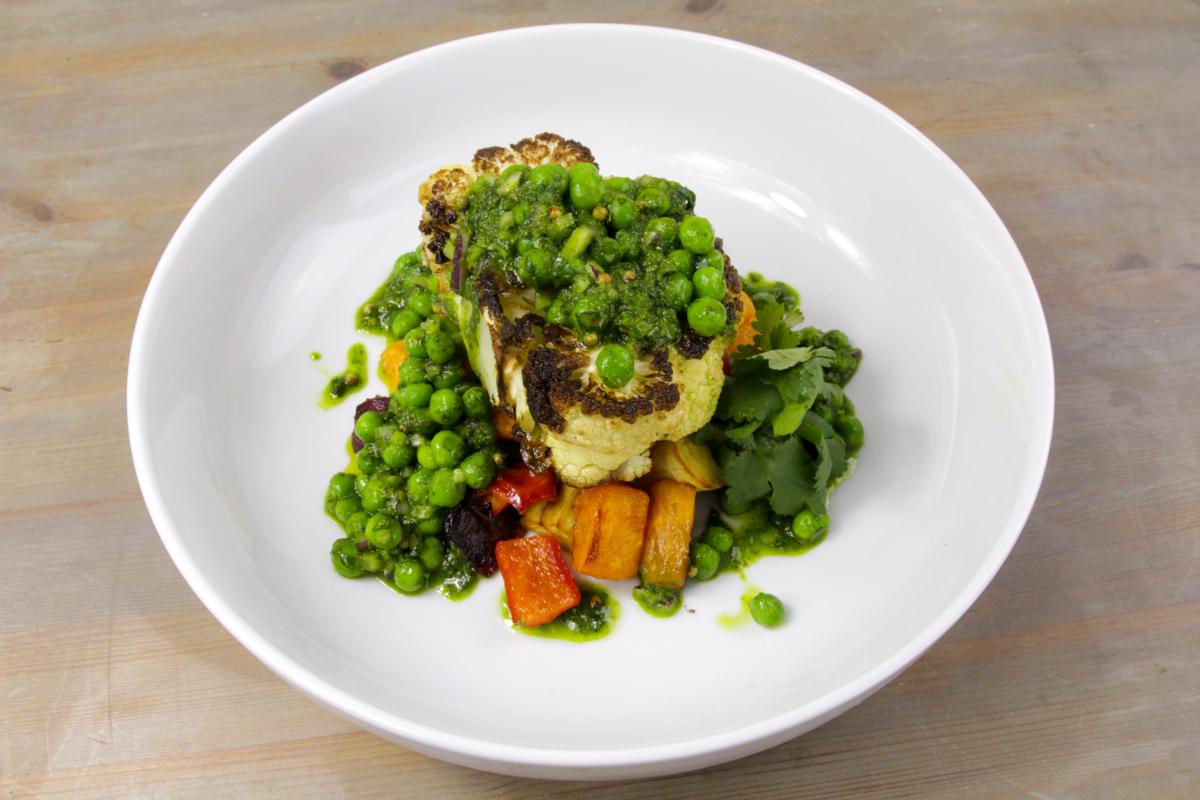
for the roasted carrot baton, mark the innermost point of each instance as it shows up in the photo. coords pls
(668, 533)
(610, 524)
(537, 581)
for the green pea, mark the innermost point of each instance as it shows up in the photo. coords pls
(404, 321)
(373, 561)
(709, 283)
(345, 558)
(614, 365)
(706, 316)
(383, 531)
(450, 375)
(341, 485)
(375, 495)
(478, 469)
(360, 483)
(448, 448)
(719, 539)
(415, 395)
(384, 434)
(585, 186)
(421, 302)
(677, 290)
(440, 346)
(408, 575)
(606, 251)
(713, 259)
(432, 524)
(655, 200)
(346, 507)
(417, 485)
(696, 234)
(475, 403)
(536, 268)
(851, 431)
(409, 259)
(549, 176)
(590, 312)
(431, 553)
(414, 343)
(577, 243)
(705, 561)
(521, 170)
(681, 259)
(411, 371)
(445, 406)
(766, 610)
(622, 212)
(445, 490)
(366, 425)
(397, 454)
(368, 460)
(357, 524)
(629, 244)
(425, 456)
(619, 185)
(660, 233)
(807, 525)
(557, 313)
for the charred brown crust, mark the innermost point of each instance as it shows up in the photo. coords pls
(532, 150)
(544, 371)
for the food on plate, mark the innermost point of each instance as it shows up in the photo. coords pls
(574, 364)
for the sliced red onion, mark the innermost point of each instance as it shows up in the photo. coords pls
(456, 273)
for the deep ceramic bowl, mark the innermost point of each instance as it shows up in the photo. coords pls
(806, 180)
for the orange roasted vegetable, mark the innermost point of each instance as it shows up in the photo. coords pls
(506, 424)
(610, 524)
(745, 332)
(554, 517)
(389, 364)
(537, 581)
(668, 533)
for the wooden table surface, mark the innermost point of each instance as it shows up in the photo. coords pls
(1077, 674)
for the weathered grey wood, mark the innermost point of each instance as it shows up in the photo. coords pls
(1074, 676)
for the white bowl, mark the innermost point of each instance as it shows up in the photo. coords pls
(806, 180)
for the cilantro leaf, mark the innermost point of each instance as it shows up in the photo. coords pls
(785, 358)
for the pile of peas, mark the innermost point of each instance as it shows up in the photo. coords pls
(623, 262)
(737, 536)
(421, 452)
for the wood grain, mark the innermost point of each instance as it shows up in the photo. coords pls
(1074, 676)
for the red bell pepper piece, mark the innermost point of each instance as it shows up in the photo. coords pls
(537, 581)
(521, 488)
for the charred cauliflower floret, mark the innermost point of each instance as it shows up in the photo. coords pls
(595, 310)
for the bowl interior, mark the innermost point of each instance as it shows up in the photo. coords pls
(805, 180)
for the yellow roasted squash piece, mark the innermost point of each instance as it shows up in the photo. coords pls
(555, 517)
(610, 524)
(668, 533)
(686, 461)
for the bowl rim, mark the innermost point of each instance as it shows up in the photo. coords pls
(479, 751)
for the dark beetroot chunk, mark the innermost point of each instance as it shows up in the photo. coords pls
(472, 527)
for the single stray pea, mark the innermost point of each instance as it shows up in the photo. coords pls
(766, 610)
(615, 365)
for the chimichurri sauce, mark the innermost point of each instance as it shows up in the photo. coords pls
(657, 601)
(348, 382)
(615, 259)
(592, 619)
